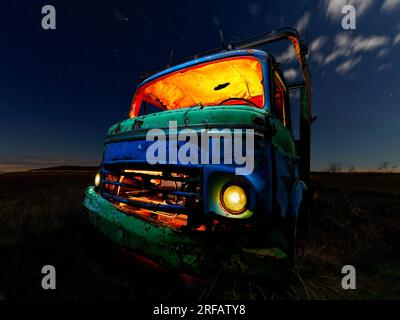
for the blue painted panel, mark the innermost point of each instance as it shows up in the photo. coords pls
(259, 182)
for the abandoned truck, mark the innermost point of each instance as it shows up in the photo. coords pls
(200, 217)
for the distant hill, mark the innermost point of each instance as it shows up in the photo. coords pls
(67, 168)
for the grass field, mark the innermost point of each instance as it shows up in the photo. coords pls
(355, 220)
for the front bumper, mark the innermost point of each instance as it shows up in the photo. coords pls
(194, 253)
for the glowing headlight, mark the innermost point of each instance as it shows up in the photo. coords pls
(234, 199)
(97, 179)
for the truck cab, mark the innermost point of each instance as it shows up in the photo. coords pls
(206, 172)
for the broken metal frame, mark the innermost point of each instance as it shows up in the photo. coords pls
(305, 87)
(301, 50)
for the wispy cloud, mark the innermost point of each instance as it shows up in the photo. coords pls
(341, 48)
(390, 5)
(396, 39)
(362, 43)
(317, 43)
(385, 67)
(333, 8)
(290, 74)
(287, 55)
(347, 47)
(346, 66)
(348, 51)
(303, 23)
(315, 49)
(383, 52)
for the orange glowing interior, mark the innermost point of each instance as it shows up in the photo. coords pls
(141, 186)
(238, 79)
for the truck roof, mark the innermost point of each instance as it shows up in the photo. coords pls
(221, 77)
(204, 59)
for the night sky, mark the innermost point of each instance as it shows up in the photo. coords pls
(61, 89)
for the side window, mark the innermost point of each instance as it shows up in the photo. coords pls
(280, 100)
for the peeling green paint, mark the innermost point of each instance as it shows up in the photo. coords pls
(182, 251)
(224, 115)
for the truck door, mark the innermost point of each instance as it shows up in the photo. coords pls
(284, 146)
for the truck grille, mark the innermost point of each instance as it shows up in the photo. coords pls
(171, 197)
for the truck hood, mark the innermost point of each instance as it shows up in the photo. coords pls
(232, 116)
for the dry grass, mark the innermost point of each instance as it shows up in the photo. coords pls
(355, 220)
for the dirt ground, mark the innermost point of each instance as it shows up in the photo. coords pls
(355, 220)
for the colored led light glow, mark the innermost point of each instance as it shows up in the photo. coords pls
(207, 84)
(97, 179)
(153, 173)
(234, 199)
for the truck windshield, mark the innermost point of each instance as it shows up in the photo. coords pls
(231, 81)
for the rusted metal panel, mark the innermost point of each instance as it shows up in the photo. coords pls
(200, 233)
